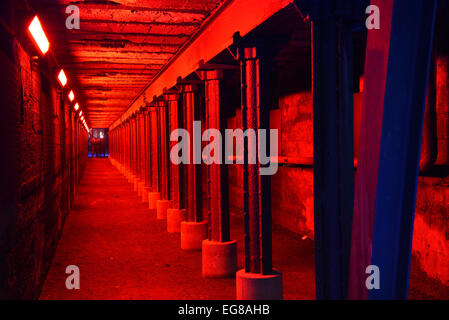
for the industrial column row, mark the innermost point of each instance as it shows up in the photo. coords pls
(144, 148)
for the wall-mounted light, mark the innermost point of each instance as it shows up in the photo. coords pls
(82, 118)
(39, 36)
(62, 78)
(71, 96)
(81, 113)
(77, 106)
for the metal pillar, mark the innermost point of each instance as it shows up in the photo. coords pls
(412, 33)
(219, 253)
(154, 148)
(147, 148)
(140, 145)
(127, 146)
(163, 149)
(175, 171)
(218, 198)
(333, 145)
(257, 189)
(134, 145)
(193, 180)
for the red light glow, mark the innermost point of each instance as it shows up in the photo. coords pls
(39, 36)
(77, 106)
(71, 96)
(62, 78)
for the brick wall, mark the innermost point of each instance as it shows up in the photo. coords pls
(43, 154)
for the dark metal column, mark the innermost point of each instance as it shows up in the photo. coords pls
(257, 189)
(140, 147)
(193, 176)
(163, 151)
(175, 171)
(134, 145)
(147, 148)
(154, 147)
(128, 145)
(333, 145)
(217, 180)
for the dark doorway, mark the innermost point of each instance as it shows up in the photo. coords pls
(98, 146)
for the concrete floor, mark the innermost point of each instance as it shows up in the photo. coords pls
(124, 252)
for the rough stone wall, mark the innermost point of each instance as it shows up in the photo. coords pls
(39, 155)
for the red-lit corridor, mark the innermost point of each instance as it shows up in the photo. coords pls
(124, 252)
(224, 149)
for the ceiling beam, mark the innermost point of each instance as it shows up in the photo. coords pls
(214, 36)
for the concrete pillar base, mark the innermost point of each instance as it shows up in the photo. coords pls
(219, 259)
(153, 198)
(145, 193)
(174, 219)
(255, 286)
(162, 207)
(193, 234)
(140, 186)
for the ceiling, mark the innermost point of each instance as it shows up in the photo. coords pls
(119, 48)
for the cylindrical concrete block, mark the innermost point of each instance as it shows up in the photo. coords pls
(219, 259)
(153, 198)
(174, 219)
(145, 192)
(193, 234)
(162, 207)
(255, 286)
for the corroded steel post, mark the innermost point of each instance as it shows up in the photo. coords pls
(217, 173)
(194, 230)
(218, 249)
(193, 176)
(160, 200)
(147, 186)
(163, 152)
(175, 170)
(257, 280)
(177, 213)
(154, 129)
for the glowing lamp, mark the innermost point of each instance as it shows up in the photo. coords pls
(82, 118)
(39, 36)
(81, 113)
(71, 96)
(77, 106)
(62, 78)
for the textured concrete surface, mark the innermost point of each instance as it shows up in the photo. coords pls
(124, 252)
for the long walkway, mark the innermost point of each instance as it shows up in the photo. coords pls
(124, 252)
